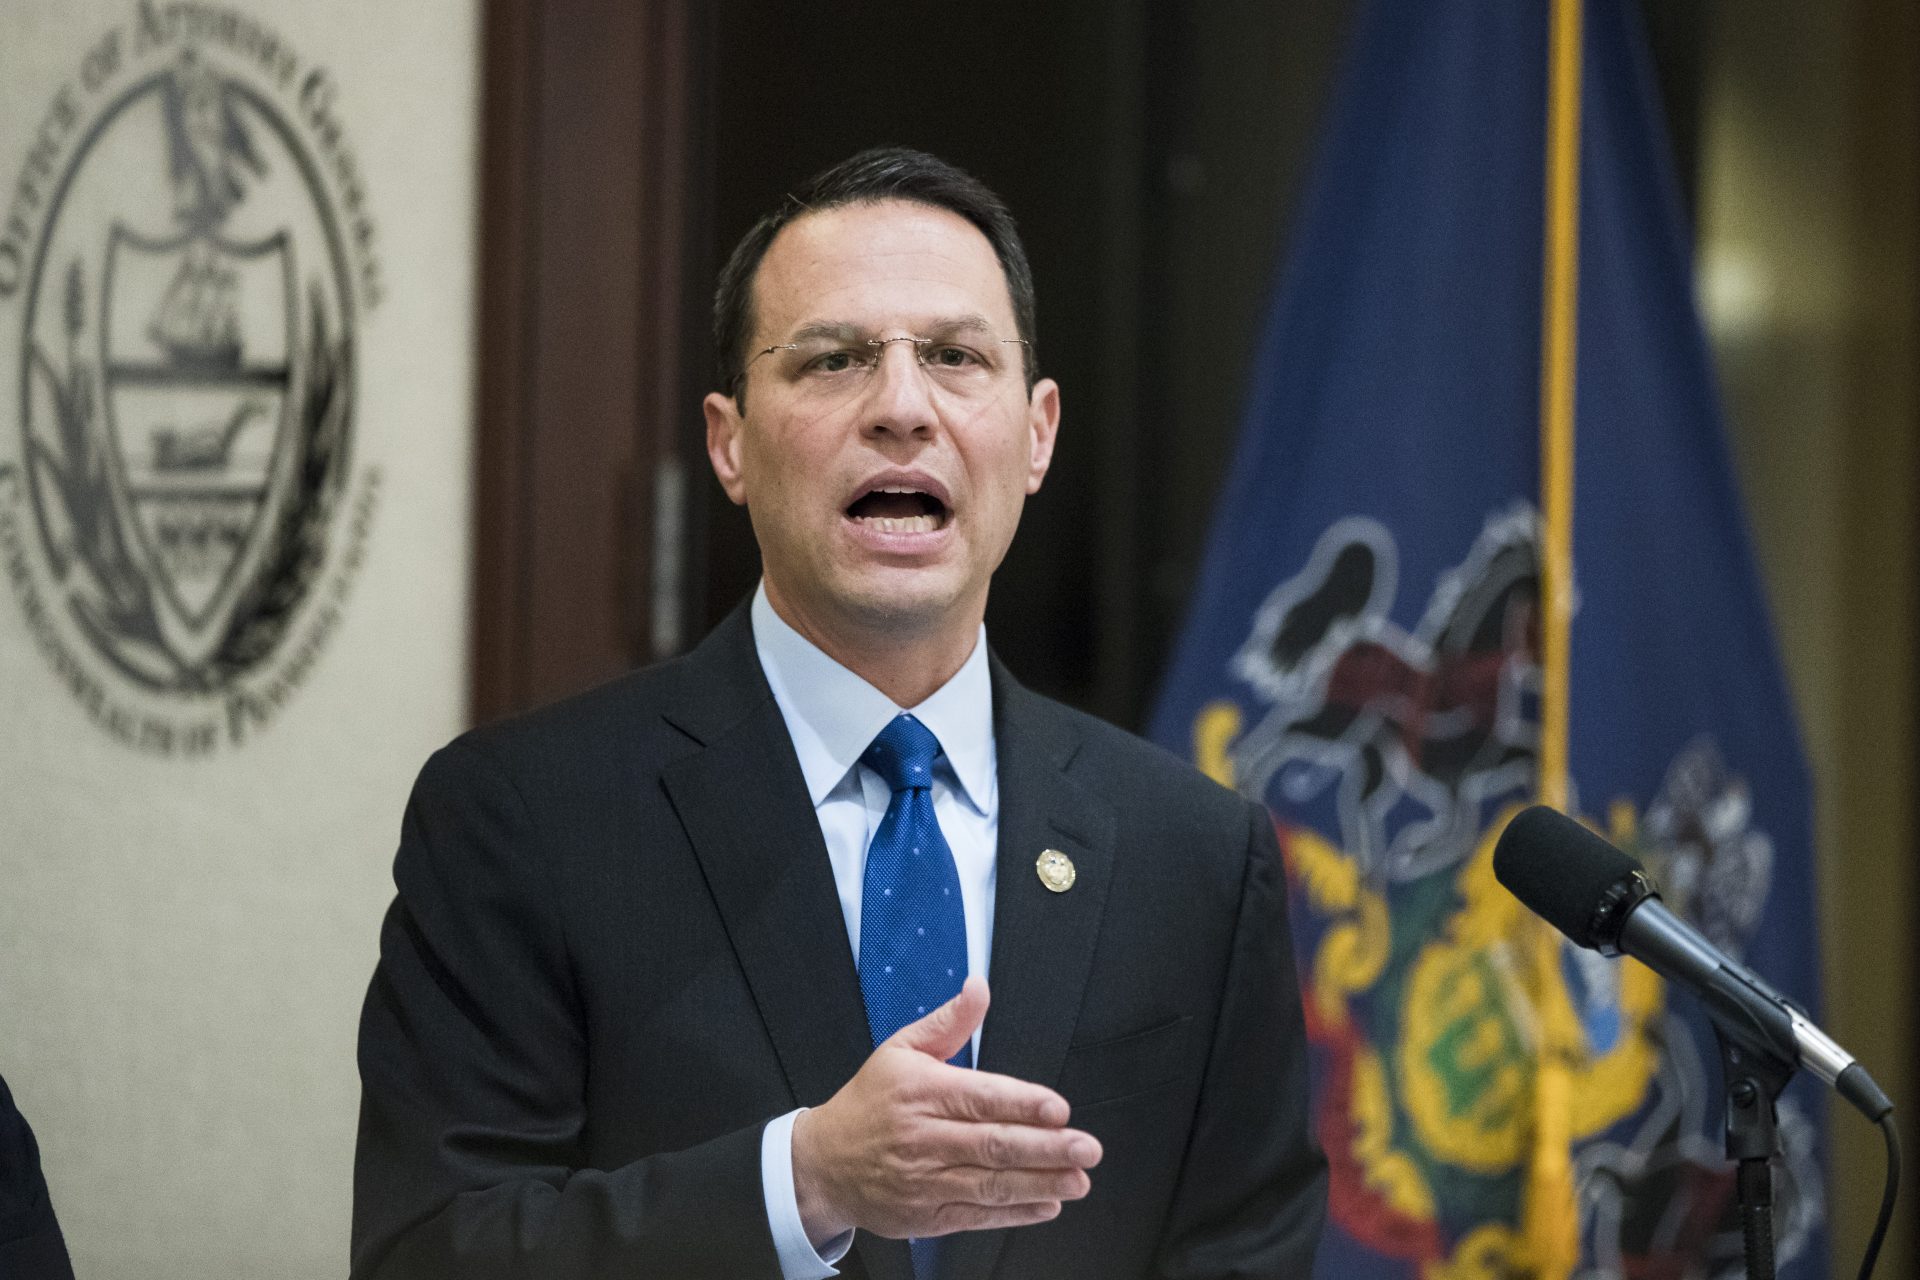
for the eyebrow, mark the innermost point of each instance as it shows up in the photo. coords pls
(847, 331)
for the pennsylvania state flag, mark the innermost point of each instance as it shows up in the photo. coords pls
(1481, 544)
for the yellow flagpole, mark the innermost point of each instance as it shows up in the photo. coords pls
(1550, 1214)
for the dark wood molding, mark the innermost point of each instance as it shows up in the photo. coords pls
(509, 91)
(1906, 48)
(587, 183)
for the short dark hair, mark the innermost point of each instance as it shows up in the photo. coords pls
(882, 173)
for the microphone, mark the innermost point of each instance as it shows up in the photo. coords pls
(1603, 900)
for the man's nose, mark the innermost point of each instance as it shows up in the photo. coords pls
(899, 397)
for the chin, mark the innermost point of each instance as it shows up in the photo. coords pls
(906, 602)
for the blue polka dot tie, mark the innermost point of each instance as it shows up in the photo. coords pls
(913, 928)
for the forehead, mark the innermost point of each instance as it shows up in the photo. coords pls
(878, 265)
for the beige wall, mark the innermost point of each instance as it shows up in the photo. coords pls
(1808, 239)
(185, 935)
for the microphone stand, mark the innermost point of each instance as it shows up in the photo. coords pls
(1753, 1082)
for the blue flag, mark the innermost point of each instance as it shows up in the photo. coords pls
(1364, 653)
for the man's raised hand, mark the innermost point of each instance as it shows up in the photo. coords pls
(914, 1147)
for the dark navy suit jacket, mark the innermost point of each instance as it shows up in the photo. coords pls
(31, 1246)
(617, 951)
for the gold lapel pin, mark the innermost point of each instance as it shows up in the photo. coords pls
(1056, 870)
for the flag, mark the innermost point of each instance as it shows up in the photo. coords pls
(1481, 544)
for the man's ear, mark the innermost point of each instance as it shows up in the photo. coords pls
(725, 440)
(1043, 426)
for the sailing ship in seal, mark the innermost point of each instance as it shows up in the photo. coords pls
(198, 326)
(198, 320)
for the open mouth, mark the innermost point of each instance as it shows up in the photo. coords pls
(899, 510)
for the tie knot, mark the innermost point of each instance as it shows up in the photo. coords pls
(903, 754)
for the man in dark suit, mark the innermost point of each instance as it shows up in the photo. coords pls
(677, 979)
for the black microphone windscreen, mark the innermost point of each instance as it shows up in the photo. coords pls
(1559, 869)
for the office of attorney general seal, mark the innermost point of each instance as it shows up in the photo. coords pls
(184, 257)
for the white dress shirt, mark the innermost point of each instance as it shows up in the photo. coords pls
(832, 716)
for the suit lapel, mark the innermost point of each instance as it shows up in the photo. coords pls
(744, 806)
(743, 803)
(1043, 942)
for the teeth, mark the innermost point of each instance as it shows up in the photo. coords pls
(899, 491)
(902, 524)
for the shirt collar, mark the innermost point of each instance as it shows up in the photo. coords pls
(833, 715)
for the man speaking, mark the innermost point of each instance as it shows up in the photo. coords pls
(689, 976)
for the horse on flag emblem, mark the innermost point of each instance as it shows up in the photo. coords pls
(1397, 753)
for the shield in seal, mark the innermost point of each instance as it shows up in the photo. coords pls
(187, 383)
(196, 338)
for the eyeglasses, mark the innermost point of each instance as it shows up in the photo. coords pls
(831, 367)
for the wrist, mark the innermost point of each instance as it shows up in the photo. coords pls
(820, 1214)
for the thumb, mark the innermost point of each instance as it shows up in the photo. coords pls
(941, 1033)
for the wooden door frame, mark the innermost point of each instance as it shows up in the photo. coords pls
(593, 181)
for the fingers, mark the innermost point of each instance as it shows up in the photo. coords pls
(914, 1147)
(976, 1095)
(1012, 1146)
(941, 1033)
(985, 1199)
(988, 1097)
(999, 1188)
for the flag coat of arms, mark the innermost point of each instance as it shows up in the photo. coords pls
(1480, 545)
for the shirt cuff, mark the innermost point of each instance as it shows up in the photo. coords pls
(799, 1260)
